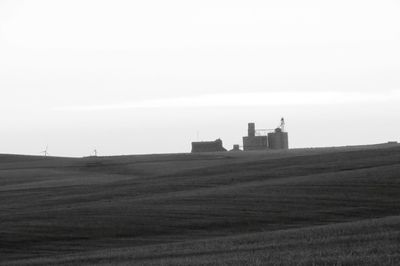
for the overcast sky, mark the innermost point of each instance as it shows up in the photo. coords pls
(129, 77)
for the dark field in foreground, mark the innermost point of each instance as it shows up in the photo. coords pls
(302, 207)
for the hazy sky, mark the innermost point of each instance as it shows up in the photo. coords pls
(130, 77)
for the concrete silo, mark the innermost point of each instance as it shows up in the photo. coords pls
(252, 142)
(251, 131)
(278, 140)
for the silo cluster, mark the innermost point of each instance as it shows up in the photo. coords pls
(253, 142)
(277, 140)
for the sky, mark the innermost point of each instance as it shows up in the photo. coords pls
(134, 77)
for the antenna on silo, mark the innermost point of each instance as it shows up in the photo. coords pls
(282, 126)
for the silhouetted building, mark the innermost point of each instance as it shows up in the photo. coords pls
(257, 140)
(236, 147)
(251, 131)
(208, 146)
(253, 142)
(278, 140)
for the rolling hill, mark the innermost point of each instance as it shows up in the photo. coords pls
(329, 206)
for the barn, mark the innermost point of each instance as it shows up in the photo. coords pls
(208, 146)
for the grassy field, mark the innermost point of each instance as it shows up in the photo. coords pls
(327, 206)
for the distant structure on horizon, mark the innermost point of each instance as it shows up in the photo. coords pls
(236, 147)
(277, 140)
(207, 146)
(256, 139)
(252, 142)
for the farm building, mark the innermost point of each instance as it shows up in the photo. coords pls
(208, 146)
(259, 140)
(278, 140)
(236, 147)
(253, 142)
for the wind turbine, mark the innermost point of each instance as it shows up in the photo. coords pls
(45, 152)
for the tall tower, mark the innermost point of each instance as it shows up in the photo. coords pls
(253, 142)
(251, 131)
